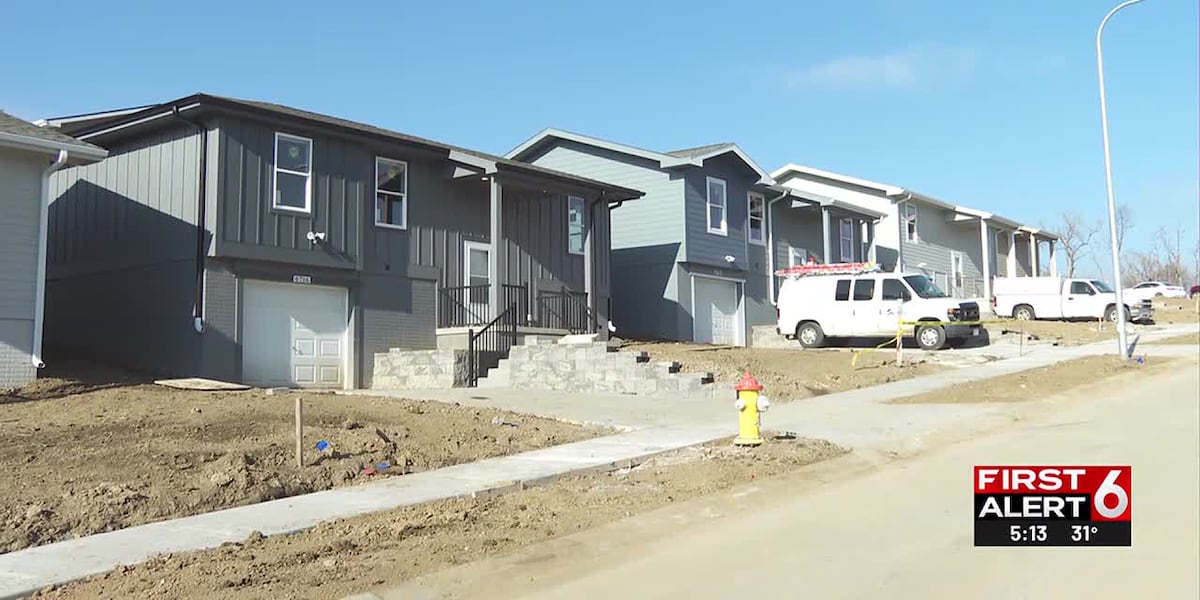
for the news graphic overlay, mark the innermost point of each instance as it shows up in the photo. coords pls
(1053, 506)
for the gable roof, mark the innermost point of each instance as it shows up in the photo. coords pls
(23, 134)
(688, 157)
(113, 121)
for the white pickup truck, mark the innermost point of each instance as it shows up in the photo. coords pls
(1060, 298)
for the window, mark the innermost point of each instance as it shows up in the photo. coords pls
(1081, 288)
(1103, 287)
(757, 209)
(716, 206)
(391, 193)
(864, 289)
(924, 287)
(293, 169)
(893, 289)
(795, 257)
(846, 239)
(843, 290)
(575, 224)
(910, 222)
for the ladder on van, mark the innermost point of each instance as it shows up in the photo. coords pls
(856, 268)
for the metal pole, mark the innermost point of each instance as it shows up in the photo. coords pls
(1122, 347)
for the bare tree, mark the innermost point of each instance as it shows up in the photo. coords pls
(1075, 234)
(1124, 223)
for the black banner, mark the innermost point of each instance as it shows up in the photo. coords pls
(1052, 532)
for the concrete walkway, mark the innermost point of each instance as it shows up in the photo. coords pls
(855, 419)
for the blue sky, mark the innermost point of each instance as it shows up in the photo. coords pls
(988, 104)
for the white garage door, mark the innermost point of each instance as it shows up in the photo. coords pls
(294, 335)
(717, 317)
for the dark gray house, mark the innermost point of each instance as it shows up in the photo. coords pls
(248, 241)
(694, 259)
(28, 155)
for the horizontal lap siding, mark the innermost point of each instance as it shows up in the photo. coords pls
(710, 248)
(937, 237)
(21, 174)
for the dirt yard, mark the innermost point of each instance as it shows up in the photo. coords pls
(104, 450)
(1191, 339)
(789, 374)
(354, 555)
(1174, 311)
(1037, 384)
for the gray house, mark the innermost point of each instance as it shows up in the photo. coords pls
(248, 241)
(28, 155)
(695, 258)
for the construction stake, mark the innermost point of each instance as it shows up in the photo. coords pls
(899, 344)
(299, 433)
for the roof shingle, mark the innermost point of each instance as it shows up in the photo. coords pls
(13, 125)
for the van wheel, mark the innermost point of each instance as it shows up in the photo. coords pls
(931, 337)
(810, 335)
(1023, 312)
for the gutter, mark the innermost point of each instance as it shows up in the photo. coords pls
(39, 307)
(201, 220)
(771, 248)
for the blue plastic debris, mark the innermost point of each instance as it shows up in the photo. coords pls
(323, 445)
(383, 465)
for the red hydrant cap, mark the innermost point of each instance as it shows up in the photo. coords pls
(748, 384)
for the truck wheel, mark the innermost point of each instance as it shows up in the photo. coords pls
(931, 337)
(1023, 312)
(810, 335)
(1110, 314)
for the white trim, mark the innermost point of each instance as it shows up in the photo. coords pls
(25, 142)
(724, 229)
(792, 256)
(739, 288)
(275, 169)
(904, 220)
(842, 239)
(403, 196)
(782, 172)
(762, 199)
(468, 246)
(582, 224)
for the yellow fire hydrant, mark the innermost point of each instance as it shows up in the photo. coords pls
(751, 403)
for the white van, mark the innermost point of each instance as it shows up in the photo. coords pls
(815, 307)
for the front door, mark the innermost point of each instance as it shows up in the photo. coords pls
(477, 278)
(717, 318)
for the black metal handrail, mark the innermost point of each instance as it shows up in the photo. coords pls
(565, 309)
(486, 347)
(463, 305)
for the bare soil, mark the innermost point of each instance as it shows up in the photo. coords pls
(101, 450)
(1038, 384)
(790, 374)
(353, 555)
(1064, 333)
(1175, 311)
(1191, 339)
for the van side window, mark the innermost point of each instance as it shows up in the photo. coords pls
(864, 289)
(843, 290)
(894, 290)
(1081, 287)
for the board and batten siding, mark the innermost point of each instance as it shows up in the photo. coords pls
(341, 180)
(21, 174)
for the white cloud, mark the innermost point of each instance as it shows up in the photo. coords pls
(905, 68)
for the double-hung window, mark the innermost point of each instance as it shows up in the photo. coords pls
(846, 239)
(716, 206)
(576, 226)
(910, 222)
(756, 207)
(391, 193)
(293, 173)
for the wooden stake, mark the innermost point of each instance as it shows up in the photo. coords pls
(899, 344)
(299, 433)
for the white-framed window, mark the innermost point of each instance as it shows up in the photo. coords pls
(796, 257)
(716, 207)
(846, 239)
(756, 208)
(576, 224)
(292, 181)
(910, 222)
(391, 193)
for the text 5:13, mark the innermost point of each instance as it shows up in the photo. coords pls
(1027, 533)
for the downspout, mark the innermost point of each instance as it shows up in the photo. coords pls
(39, 308)
(201, 219)
(771, 248)
(902, 233)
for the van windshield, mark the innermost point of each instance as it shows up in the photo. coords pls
(924, 287)
(1101, 286)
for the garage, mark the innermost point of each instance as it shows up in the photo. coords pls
(294, 335)
(716, 311)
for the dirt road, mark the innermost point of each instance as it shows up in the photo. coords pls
(900, 531)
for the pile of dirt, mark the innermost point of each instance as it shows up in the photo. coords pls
(85, 457)
(1039, 383)
(350, 556)
(790, 374)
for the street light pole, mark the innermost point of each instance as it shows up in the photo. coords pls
(1122, 317)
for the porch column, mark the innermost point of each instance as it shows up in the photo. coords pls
(497, 204)
(1033, 263)
(589, 270)
(825, 234)
(1012, 254)
(1053, 260)
(987, 264)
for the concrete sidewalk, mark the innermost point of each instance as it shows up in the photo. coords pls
(856, 419)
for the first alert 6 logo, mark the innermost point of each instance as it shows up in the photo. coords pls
(1053, 505)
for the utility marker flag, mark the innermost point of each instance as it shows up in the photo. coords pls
(1053, 505)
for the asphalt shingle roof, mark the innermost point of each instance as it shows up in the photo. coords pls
(13, 125)
(699, 150)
